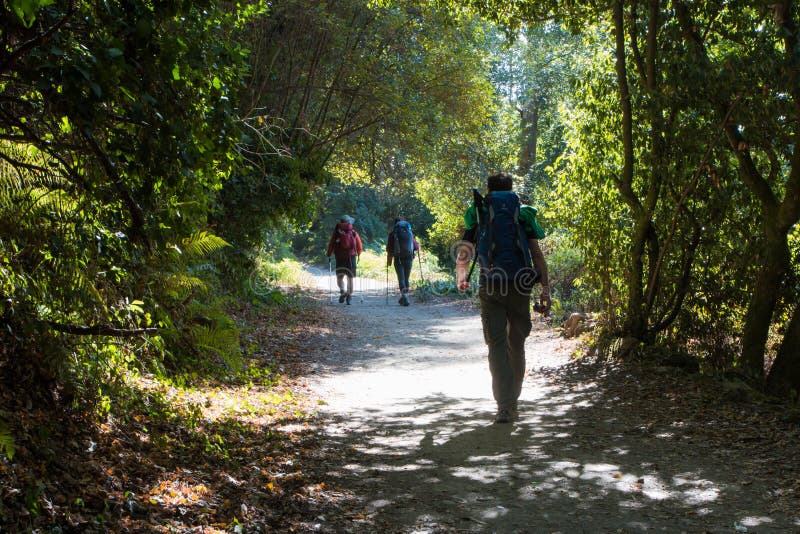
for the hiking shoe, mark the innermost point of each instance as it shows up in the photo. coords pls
(404, 301)
(348, 300)
(505, 416)
(342, 296)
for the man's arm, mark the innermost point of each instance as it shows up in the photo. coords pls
(464, 252)
(465, 249)
(541, 265)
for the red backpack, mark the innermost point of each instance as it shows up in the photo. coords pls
(345, 240)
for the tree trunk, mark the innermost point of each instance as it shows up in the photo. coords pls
(635, 322)
(774, 266)
(636, 319)
(530, 127)
(784, 375)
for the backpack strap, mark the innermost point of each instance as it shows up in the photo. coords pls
(522, 239)
(478, 202)
(491, 232)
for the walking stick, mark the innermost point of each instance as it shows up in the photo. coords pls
(360, 282)
(330, 282)
(422, 276)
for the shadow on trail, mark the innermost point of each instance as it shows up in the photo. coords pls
(394, 332)
(575, 462)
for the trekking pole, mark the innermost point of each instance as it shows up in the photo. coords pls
(330, 282)
(360, 282)
(421, 275)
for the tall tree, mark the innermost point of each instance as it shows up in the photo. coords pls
(534, 74)
(762, 134)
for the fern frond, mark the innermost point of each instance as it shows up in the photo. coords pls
(202, 243)
(22, 166)
(11, 178)
(55, 202)
(179, 286)
(222, 341)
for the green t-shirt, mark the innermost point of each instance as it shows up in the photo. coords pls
(527, 216)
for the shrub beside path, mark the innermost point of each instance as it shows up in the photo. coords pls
(407, 435)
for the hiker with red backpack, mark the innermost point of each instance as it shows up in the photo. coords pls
(400, 248)
(345, 244)
(503, 235)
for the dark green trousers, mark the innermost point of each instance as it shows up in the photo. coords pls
(506, 323)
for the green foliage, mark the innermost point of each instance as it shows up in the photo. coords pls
(189, 307)
(535, 74)
(572, 286)
(373, 207)
(287, 272)
(117, 135)
(383, 95)
(665, 197)
(372, 264)
(219, 337)
(26, 10)
(257, 201)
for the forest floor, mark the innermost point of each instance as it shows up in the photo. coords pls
(381, 421)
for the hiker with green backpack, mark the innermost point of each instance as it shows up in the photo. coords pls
(400, 249)
(502, 236)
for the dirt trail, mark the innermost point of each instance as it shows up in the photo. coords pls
(408, 432)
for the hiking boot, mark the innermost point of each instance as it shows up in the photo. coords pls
(342, 296)
(505, 416)
(404, 300)
(348, 300)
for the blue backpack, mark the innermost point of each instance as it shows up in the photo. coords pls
(403, 240)
(502, 251)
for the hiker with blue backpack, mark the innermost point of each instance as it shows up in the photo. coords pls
(400, 249)
(345, 244)
(502, 236)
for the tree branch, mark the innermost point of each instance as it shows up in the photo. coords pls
(674, 223)
(137, 215)
(99, 330)
(683, 284)
(8, 64)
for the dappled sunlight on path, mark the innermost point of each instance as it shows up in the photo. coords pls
(436, 462)
(408, 431)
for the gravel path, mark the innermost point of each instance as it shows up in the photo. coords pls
(408, 432)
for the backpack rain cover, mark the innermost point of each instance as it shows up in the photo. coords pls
(345, 240)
